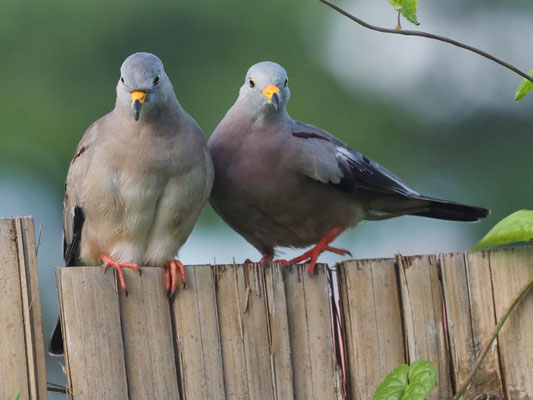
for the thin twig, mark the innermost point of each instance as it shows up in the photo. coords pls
(476, 366)
(399, 19)
(429, 36)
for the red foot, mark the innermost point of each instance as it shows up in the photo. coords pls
(171, 276)
(109, 262)
(320, 247)
(268, 258)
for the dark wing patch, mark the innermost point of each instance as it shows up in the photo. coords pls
(361, 172)
(307, 135)
(79, 153)
(71, 250)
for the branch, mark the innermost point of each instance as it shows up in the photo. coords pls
(429, 36)
(476, 366)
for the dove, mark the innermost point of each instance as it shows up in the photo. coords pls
(284, 183)
(137, 182)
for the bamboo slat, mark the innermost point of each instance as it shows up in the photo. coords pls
(22, 365)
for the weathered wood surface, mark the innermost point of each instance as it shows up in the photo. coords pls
(510, 272)
(443, 309)
(238, 332)
(468, 292)
(197, 336)
(246, 332)
(147, 335)
(425, 327)
(94, 349)
(22, 365)
(373, 325)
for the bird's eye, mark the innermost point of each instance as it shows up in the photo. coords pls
(252, 83)
(156, 80)
(122, 79)
(286, 82)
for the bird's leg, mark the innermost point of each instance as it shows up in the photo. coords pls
(267, 258)
(117, 266)
(320, 247)
(171, 276)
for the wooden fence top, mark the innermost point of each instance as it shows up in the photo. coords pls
(246, 332)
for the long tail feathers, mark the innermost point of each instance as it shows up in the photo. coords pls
(448, 210)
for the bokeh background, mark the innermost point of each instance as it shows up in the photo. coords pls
(441, 118)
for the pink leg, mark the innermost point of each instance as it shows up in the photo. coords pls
(320, 247)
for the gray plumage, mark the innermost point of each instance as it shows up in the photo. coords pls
(280, 182)
(135, 188)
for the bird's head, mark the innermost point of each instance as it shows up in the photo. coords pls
(143, 85)
(266, 88)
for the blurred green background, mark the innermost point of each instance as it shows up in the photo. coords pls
(441, 118)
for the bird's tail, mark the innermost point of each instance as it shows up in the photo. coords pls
(55, 345)
(383, 207)
(451, 211)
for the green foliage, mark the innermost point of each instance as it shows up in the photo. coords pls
(407, 8)
(411, 382)
(517, 227)
(17, 395)
(525, 87)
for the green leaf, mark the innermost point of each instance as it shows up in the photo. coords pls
(412, 382)
(525, 87)
(423, 373)
(408, 9)
(17, 395)
(394, 384)
(517, 227)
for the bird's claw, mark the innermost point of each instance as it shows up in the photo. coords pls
(171, 276)
(117, 266)
(319, 248)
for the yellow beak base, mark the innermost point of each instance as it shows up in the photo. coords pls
(138, 95)
(270, 90)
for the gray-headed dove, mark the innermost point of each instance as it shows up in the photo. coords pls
(279, 182)
(138, 181)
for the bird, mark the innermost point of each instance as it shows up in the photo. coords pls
(138, 181)
(284, 183)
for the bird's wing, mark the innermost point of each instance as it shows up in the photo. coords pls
(326, 159)
(73, 214)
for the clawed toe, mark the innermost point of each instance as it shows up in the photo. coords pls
(171, 276)
(117, 266)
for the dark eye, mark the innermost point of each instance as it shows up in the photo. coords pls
(286, 82)
(156, 80)
(252, 83)
(122, 79)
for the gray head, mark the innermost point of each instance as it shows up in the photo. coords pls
(265, 88)
(143, 83)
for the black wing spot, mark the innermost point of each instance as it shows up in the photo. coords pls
(79, 153)
(306, 135)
